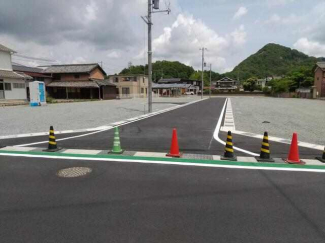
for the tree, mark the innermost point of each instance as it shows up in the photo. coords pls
(250, 84)
(197, 75)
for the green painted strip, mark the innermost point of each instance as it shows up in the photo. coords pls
(176, 160)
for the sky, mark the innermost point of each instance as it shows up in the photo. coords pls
(113, 33)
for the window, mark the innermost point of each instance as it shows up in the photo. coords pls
(116, 80)
(76, 76)
(142, 90)
(57, 77)
(7, 86)
(135, 79)
(19, 85)
(143, 80)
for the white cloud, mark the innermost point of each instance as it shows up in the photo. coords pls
(312, 48)
(78, 60)
(239, 36)
(187, 35)
(273, 3)
(114, 54)
(240, 13)
(91, 11)
(276, 19)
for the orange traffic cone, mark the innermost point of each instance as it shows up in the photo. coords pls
(174, 149)
(293, 157)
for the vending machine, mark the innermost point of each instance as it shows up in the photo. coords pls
(37, 93)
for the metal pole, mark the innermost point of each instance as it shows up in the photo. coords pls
(202, 73)
(149, 58)
(210, 80)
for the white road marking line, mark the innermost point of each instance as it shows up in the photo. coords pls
(109, 128)
(149, 154)
(279, 140)
(18, 149)
(312, 162)
(81, 151)
(246, 159)
(167, 163)
(216, 132)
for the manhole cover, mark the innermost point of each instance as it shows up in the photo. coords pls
(74, 172)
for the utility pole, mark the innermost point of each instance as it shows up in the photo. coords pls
(152, 4)
(202, 84)
(210, 80)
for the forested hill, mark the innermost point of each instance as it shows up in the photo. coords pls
(164, 69)
(272, 60)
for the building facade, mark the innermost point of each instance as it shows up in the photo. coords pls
(176, 87)
(130, 86)
(226, 85)
(319, 81)
(12, 84)
(79, 81)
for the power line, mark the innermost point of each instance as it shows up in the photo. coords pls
(35, 58)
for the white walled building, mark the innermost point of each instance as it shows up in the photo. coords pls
(12, 84)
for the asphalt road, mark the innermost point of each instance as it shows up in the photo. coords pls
(195, 126)
(130, 202)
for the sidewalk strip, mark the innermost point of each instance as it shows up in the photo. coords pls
(169, 161)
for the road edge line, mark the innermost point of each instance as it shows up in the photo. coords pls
(169, 161)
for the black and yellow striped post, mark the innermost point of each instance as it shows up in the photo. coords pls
(229, 150)
(52, 147)
(322, 159)
(265, 155)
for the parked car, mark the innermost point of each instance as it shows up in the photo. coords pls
(189, 93)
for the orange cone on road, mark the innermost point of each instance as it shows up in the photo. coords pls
(174, 149)
(293, 157)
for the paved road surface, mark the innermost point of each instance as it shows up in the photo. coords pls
(195, 125)
(129, 202)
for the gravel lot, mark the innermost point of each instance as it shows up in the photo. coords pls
(306, 117)
(79, 115)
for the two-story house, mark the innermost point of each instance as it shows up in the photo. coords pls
(226, 84)
(131, 86)
(12, 84)
(319, 81)
(79, 81)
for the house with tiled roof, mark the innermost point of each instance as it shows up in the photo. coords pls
(319, 81)
(13, 85)
(79, 81)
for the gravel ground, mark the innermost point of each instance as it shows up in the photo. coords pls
(79, 115)
(306, 117)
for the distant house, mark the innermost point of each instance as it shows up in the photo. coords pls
(319, 81)
(226, 85)
(263, 81)
(34, 72)
(79, 81)
(130, 86)
(12, 84)
(176, 86)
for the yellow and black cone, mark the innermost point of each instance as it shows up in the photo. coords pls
(322, 159)
(265, 155)
(52, 147)
(229, 150)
